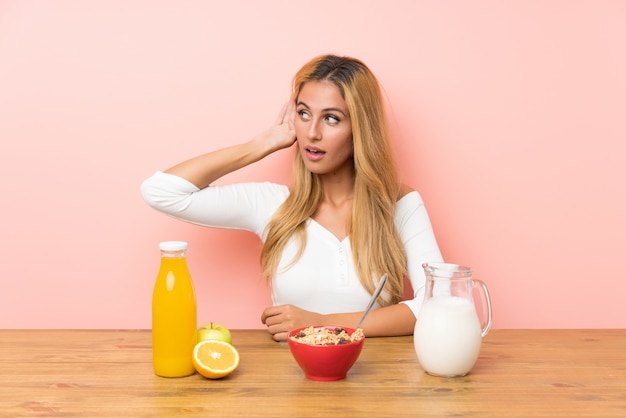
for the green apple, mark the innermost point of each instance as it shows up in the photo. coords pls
(214, 331)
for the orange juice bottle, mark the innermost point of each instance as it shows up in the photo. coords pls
(174, 328)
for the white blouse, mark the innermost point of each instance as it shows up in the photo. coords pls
(324, 279)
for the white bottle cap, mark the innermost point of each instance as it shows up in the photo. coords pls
(173, 245)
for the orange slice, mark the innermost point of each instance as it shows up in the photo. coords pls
(215, 359)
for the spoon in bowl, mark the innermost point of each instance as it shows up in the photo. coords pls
(379, 288)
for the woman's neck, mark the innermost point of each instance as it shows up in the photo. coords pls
(338, 188)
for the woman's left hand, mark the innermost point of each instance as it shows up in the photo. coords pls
(282, 319)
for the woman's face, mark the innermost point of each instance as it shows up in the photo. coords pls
(324, 129)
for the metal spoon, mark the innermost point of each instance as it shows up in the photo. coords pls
(379, 288)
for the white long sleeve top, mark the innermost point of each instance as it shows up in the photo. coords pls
(324, 279)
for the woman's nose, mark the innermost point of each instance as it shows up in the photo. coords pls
(315, 132)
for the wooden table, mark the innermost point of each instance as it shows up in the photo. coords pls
(106, 373)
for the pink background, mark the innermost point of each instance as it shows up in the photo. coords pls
(509, 118)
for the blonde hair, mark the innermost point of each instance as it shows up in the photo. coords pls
(376, 244)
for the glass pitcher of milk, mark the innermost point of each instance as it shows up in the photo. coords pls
(448, 332)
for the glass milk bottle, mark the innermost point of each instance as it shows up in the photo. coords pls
(448, 333)
(174, 328)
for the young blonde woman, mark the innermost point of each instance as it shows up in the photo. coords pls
(344, 222)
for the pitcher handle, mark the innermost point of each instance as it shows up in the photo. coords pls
(486, 301)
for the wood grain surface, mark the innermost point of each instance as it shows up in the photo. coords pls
(108, 373)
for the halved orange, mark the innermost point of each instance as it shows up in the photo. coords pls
(215, 359)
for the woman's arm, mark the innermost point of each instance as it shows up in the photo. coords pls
(205, 169)
(391, 320)
(421, 246)
(182, 190)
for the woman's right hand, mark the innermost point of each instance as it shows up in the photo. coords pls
(206, 168)
(282, 134)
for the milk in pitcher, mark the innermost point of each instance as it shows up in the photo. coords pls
(447, 336)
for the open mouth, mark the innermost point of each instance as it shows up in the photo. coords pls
(314, 154)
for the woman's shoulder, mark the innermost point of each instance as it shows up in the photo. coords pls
(408, 199)
(281, 191)
(405, 192)
(268, 185)
(259, 191)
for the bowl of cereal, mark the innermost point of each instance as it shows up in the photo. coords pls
(325, 353)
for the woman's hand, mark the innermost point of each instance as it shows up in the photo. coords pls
(388, 321)
(282, 134)
(206, 168)
(284, 318)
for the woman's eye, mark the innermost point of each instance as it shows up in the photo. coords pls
(332, 119)
(304, 115)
